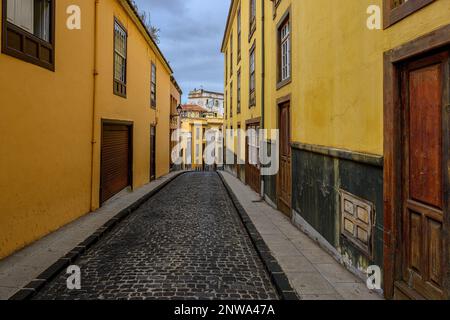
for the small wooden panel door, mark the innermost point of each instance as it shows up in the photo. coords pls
(284, 174)
(115, 160)
(252, 168)
(152, 153)
(424, 175)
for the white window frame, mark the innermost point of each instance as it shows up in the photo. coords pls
(285, 43)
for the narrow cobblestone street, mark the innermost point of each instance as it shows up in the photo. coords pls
(187, 242)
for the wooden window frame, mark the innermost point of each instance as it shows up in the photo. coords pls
(238, 88)
(252, 92)
(28, 41)
(226, 66)
(231, 55)
(239, 35)
(231, 99)
(252, 19)
(225, 104)
(153, 85)
(119, 87)
(393, 15)
(286, 19)
(393, 60)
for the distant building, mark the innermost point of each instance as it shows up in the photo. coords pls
(196, 121)
(213, 101)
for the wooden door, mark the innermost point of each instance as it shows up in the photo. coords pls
(152, 153)
(252, 168)
(115, 160)
(424, 191)
(284, 174)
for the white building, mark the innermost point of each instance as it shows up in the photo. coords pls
(212, 101)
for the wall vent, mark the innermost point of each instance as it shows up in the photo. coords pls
(357, 221)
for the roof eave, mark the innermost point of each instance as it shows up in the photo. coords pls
(227, 28)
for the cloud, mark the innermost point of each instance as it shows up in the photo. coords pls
(191, 36)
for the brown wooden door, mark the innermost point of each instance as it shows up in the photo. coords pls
(115, 160)
(284, 174)
(252, 168)
(152, 153)
(424, 195)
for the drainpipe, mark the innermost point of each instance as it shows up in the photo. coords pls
(263, 71)
(94, 103)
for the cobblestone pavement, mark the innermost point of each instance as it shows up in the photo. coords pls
(187, 242)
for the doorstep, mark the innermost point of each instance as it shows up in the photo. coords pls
(312, 272)
(22, 267)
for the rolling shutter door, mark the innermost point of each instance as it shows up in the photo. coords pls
(115, 160)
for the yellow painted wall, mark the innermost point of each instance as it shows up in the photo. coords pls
(45, 135)
(46, 127)
(337, 67)
(136, 107)
(246, 112)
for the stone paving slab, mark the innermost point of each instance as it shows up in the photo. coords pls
(312, 272)
(19, 269)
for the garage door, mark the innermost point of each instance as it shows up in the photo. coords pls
(115, 160)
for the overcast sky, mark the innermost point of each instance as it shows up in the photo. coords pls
(190, 38)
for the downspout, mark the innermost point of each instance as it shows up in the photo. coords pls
(94, 103)
(263, 72)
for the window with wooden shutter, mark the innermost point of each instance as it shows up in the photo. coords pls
(396, 10)
(29, 31)
(120, 60)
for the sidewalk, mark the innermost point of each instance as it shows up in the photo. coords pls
(17, 270)
(312, 272)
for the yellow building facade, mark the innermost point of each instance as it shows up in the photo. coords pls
(70, 94)
(332, 91)
(195, 122)
(243, 51)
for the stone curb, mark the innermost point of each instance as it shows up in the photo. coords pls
(277, 275)
(31, 289)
